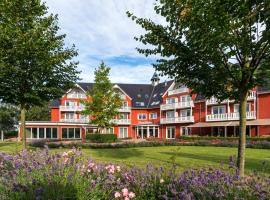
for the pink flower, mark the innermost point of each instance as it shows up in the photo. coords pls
(118, 168)
(125, 192)
(131, 195)
(117, 194)
(126, 198)
(65, 154)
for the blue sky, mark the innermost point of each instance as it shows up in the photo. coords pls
(101, 30)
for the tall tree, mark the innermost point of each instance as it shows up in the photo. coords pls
(39, 113)
(103, 102)
(219, 48)
(8, 117)
(35, 64)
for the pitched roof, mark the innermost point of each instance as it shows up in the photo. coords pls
(143, 95)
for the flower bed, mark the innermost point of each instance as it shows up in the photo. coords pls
(40, 175)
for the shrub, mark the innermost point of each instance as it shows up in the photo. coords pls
(38, 143)
(101, 138)
(41, 175)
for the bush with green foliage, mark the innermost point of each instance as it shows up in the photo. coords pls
(101, 138)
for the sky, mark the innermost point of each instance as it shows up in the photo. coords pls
(101, 31)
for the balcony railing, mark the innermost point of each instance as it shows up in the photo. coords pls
(171, 106)
(214, 100)
(187, 119)
(75, 120)
(124, 109)
(229, 116)
(121, 121)
(71, 108)
(177, 91)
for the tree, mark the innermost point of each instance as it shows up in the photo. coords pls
(35, 64)
(8, 117)
(39, 113)
(219, 48)
(104, 101)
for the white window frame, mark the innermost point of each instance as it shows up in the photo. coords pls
(142, 114)
(69, 114)
(74, 138)
(120, 135)
(45, 132)
(184, 113)
(174, 114)
(171, 100)
(185, 131)
(223, 106)
(237, 105)
(153, 114)
(170, 127)
(186, 98)
(124, 116)
(72, 103)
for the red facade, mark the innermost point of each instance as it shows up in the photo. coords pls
(163, 110)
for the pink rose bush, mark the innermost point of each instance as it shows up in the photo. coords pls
(43, 175)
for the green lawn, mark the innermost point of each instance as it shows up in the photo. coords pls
(186, 156)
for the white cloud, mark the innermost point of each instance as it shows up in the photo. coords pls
(101, 30)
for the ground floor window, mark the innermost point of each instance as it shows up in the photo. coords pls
(123, 132)
(109, 130)
(185, 131)
(71, 133)
(170, 132)
(153, 132)
(41, 133)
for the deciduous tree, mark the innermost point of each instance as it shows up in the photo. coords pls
(218, 48)
(103, 102)
(35, 64)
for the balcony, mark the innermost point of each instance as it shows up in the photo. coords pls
(187, 119)
(172, 106)
(124, 109)
(214, 100)
(85, 121)
(177, 91)
(229, 116)
(71, 108)
(121, 121)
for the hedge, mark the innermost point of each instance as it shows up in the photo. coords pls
(101, 138)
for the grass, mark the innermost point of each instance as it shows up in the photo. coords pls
(185, 157)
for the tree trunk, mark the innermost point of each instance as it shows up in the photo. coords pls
(2, 135)
(242, 136)
(23, 110)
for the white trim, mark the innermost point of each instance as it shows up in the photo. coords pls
(123, 127)
(153, 113)
(167, 132)
(78, 86)
(118, 87)
(56, 124)
(169, 88)
(212, 109)
(142, 114)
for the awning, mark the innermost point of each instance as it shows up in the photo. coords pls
(256, 122)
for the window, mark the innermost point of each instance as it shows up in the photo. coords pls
(71, 133)
(185, 113)
(70, 103)
(153, 115)
(34, 133)
(170, 132)
(171, 100)
(75, 93)
(125, 104)
(185, 98)
(141, 116)
(185, 131)
(237, 109)
(69, 115)
(139, 103)
(64, 133)
(218, 109)
(109, 130)
(41, 133)
(124, 116)
(170, 114)
(123, 132)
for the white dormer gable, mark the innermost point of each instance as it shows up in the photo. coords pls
(76, 93)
